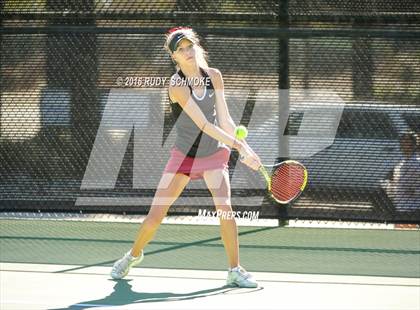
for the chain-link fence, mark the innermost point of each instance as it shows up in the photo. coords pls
(70, 73)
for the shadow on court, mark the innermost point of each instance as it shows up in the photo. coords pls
(124, 295)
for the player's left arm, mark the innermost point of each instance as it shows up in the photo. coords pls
(223, 116)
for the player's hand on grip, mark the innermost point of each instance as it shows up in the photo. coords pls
(250, 158)
(247, 155)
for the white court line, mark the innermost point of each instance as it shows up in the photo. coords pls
(198, 220)
(132, 218)
(215, 275)
(38, 286)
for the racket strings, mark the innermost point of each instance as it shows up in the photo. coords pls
(286, 182)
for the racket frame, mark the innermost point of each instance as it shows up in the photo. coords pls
(267, 177)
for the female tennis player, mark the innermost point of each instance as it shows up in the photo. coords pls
(205, 134)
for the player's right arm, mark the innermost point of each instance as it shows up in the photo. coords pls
(181, 95)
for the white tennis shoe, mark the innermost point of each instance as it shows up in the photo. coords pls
(122, 266)
(238, 276)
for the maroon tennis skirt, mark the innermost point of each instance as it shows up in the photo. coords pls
(195, 167)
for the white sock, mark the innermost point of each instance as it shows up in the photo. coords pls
(234, 268)
(134, 257)
(130, 256)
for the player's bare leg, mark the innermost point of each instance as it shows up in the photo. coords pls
(218, 183)
(169, 188)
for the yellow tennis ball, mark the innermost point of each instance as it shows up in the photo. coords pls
(241, 132)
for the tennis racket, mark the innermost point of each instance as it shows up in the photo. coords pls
(287, 181)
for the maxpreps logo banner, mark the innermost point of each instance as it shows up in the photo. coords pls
(141, 112)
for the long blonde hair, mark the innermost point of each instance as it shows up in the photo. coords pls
(190, 34)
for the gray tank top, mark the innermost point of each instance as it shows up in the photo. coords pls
(190, 140)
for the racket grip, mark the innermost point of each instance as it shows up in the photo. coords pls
(266, 176)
